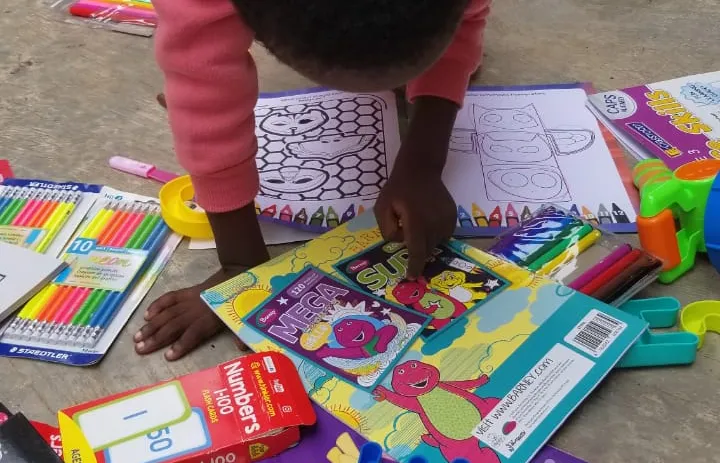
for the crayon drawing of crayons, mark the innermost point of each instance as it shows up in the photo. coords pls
(349, 214)
(604, 215)
(318, 217)
(269, 211)
(526, 214)
(495, 218)
(589, 216)
(619, 215)
(286, 214)
(301, 217)
(332, 218)
(464, 218)
(479, 216)
(511, 216)
(575, 211)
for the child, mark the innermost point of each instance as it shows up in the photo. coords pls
(357, 45)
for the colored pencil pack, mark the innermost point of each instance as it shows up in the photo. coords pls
(136, 17)
(114, 258)
(42, 215)
(566, 247)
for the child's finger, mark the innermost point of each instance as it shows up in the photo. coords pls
(417, 245)
(389, 224)
(161, 303)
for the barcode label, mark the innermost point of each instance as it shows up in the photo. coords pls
(595, 333)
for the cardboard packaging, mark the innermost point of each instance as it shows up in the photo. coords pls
(242, 411)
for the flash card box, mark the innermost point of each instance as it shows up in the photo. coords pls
(244, 410)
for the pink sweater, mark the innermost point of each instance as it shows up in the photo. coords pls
(211, 87)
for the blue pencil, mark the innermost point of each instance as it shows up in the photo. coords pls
(6, 197)
(105, 315)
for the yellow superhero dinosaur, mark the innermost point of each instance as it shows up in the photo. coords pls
(455, 285)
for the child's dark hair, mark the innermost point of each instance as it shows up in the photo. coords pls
(352, 34)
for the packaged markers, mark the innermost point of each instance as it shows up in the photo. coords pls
(114, 258)
(43, 215)
(574, 251)
(136, 17)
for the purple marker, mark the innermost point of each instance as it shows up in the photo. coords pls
(600, 267)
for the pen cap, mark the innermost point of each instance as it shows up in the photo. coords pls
(370, 453)
(130, 166)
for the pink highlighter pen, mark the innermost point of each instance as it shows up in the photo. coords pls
(141, 169)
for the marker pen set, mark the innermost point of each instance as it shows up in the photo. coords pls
(42, 215)
(113, 260)
(558, 244)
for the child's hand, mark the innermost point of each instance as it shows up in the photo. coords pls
(181, 320)
(416, 208)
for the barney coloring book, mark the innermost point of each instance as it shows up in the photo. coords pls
(492, 386)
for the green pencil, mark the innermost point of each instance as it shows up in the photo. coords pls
(137, 234)
(575, 235)
(12, 210)
(136, 242)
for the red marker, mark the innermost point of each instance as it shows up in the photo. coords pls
(511, 216)
(269, 211)
(612, 271)
(286, 214)
(495, 219)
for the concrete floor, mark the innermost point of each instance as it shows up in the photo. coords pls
(71, 97)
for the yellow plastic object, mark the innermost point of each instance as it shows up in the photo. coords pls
(181, 219)
(701, 317)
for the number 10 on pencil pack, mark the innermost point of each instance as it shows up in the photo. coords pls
(114, 259)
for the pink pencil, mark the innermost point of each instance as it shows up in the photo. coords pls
(28, 211)
(73, 302)
(124, 233)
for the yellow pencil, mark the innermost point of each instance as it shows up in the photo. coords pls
(574, 250)
(54, 224)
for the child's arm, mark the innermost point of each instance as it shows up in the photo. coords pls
(211, 89)
(415, 206)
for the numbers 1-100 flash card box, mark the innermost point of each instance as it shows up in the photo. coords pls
(244, 410)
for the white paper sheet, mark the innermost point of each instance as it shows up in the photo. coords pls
(515, 150)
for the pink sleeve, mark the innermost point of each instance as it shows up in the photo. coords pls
(449, 77)
(211, 89)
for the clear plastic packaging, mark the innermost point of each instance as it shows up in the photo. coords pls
(573, 251)
(137, 17)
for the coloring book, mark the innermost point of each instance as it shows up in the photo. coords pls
(323, 157)
(491, 385)
(676, 121)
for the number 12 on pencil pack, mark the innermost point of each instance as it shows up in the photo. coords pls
(114, 259)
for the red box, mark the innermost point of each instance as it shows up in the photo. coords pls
(239, 412)
(5, 170)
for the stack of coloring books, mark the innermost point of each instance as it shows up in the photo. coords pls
(478, 359)
(676, 121)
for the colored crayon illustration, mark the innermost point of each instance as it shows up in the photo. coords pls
(77, 308)
(507, 216)
(340, 329)
(450, 287)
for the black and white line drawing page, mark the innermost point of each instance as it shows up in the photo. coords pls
(323, 156)
(515, 149)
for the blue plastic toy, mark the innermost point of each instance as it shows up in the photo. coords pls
(372, 453)
(659, 349)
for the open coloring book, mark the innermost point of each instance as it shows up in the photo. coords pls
(323, 157)
(477, 359)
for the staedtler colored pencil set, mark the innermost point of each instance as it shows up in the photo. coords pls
(42, 215)
(113, 260)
